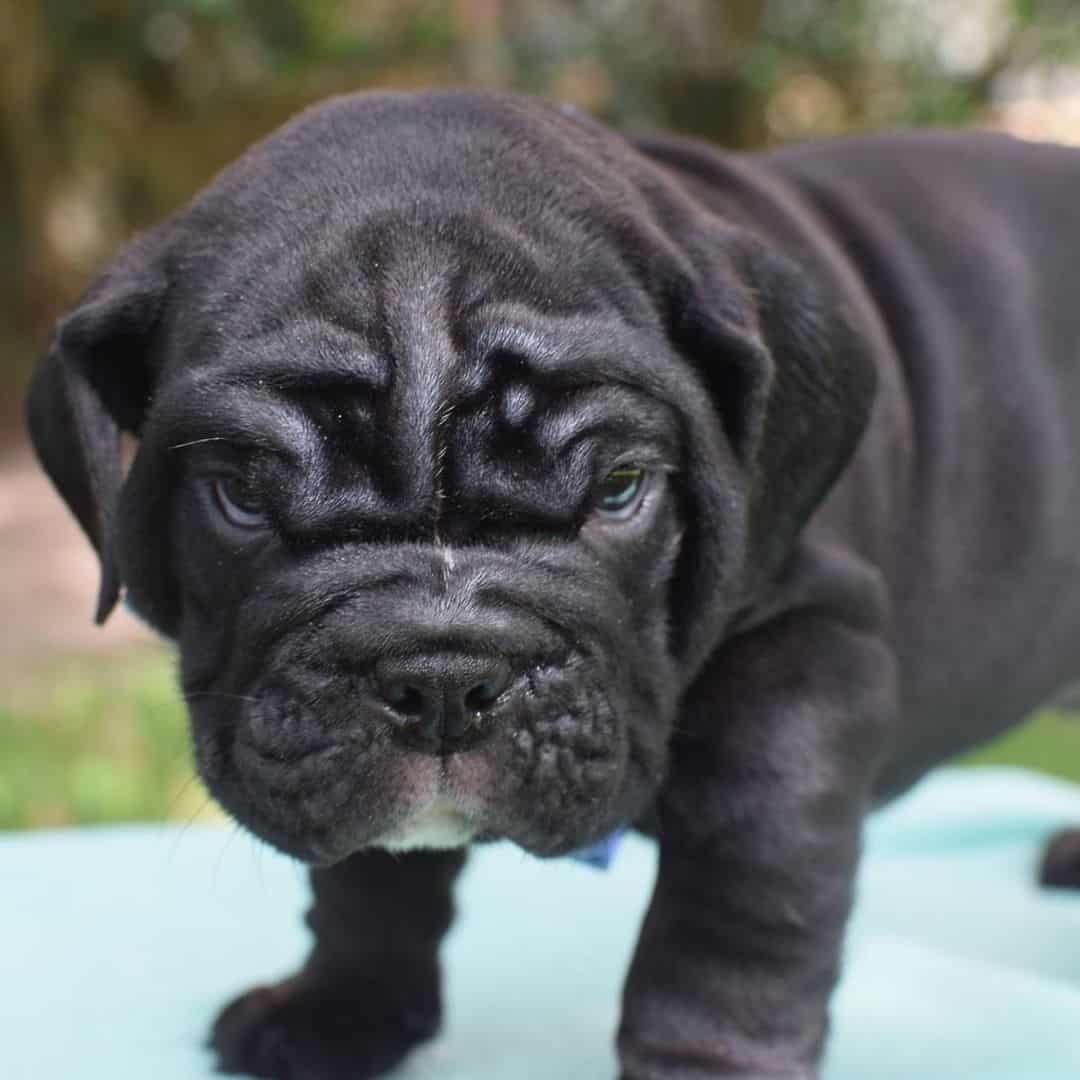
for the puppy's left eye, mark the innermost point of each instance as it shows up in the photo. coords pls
(619, 493)
(239, 502)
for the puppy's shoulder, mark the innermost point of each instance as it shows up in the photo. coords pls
(939, 152)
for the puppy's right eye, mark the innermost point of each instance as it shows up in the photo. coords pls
(239, 502)
(619, 493)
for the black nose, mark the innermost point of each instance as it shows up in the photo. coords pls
(440, 702)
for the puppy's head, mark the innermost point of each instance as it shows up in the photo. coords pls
(462, 437)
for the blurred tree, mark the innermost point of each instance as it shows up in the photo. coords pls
(112, 113)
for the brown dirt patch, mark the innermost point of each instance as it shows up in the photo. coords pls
(48, 575)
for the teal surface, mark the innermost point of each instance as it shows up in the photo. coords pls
(120, 944)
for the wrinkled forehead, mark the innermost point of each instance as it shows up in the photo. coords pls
(423, 297)
(401, 275)
(418, 386)
(370, 205)
(416, 356)
(414, 252)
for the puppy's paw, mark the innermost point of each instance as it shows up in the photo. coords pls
(1061, 860)
(294, 1031)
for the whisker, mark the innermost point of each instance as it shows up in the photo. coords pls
(256, 849)
(181, 792)
(187, 825)
(199, 442)
(234, 832)
(190, 695)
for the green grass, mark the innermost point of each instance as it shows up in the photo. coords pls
(89, 743)
(82, 743)
(1049, 742)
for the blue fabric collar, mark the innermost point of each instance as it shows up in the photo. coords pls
(601, 854)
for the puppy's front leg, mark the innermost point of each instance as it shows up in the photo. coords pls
(759, 829)
(369, 991)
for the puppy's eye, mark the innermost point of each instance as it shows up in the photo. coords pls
(620, 492)
(239, 502)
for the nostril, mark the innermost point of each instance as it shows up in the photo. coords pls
(485, 693)
(407, 700)
(440, 698)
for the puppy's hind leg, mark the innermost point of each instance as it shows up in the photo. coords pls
(1060, 866)
(369, 991)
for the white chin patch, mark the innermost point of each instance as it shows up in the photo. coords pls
(438, 826)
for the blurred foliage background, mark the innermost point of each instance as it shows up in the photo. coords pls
(113, 113)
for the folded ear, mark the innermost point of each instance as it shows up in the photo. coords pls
(793, 384)
(811, 383)
(94, 383)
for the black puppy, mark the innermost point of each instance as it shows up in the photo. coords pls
(500, 478)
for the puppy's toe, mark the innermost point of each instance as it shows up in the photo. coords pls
(292, 1031)
(1061, 860)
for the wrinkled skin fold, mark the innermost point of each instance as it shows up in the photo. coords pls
(499, 478)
